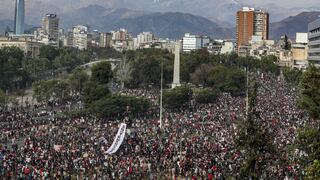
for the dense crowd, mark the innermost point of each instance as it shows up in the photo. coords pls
(197, 141)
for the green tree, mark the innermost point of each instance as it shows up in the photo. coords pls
(201, 75)
(256, 142)
(93, 92)
(49, 52)
(3, 99)
(190, 62)
(268, 64)
(119, 106)
(231, 80)
(61, 89)
(309, 141)
(41, 91)
(146, 65)
(102, 73)
(106, 53)
(309, 138)
(67, 60)
(287, 44)
(292, 76)
(206, 96)
(77, 80)
(55, 89)
(12, 74)
(36, 67)
(313, 171)
(124, 72)
(177, 97)
(310, 92)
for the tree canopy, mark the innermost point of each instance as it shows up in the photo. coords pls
(177, 97)
(310, 92)
(119, 106)
(101, 73)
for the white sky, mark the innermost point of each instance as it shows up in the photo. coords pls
(287, 3)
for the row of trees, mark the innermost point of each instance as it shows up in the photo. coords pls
(223, 72)
(292, 76)
(309, 137)
(18, 70)
(93, 90)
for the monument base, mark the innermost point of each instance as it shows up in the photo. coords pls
(175, 85)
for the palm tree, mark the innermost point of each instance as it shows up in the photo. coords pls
(124, 72)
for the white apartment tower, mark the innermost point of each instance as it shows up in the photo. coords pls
(80, 37)
(194, 42)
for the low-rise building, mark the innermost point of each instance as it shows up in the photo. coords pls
(284, 58)
(28, 45)
(300, 51)
(194, 42)
(221, 47)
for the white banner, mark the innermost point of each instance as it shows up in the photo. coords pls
(118, 140)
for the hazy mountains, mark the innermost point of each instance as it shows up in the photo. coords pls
(165, 24)
(171, 25)
(220, 11)
(293, 24)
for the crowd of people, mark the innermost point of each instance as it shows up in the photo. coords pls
(197, 141)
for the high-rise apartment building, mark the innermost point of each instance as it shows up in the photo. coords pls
(19, 17)
(145, 37)
(251, 22)
(50, 26)
(122, 40)
(105, 39)
(80, 37)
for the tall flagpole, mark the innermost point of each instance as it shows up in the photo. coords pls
(161, 95)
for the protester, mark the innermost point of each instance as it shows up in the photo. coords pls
(196, 142)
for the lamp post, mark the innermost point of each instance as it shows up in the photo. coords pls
(161, 95)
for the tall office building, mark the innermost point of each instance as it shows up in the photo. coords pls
(314, 43)
(251, 22)
(19, 17)
(50, 26)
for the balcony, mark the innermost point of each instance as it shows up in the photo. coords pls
(311, 43)
(313, 35)
(314, 58)
(314, 50)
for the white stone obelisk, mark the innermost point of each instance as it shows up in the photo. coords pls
(176, 69)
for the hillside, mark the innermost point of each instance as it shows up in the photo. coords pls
(171, 24)
(293, 24)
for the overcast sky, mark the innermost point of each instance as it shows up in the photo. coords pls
(288, 3)
(285, 3)
(280, 2)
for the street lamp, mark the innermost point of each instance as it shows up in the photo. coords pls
(161, 95)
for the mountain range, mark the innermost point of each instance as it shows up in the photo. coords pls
(107, 17)
(219, 11)
(293, 24)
